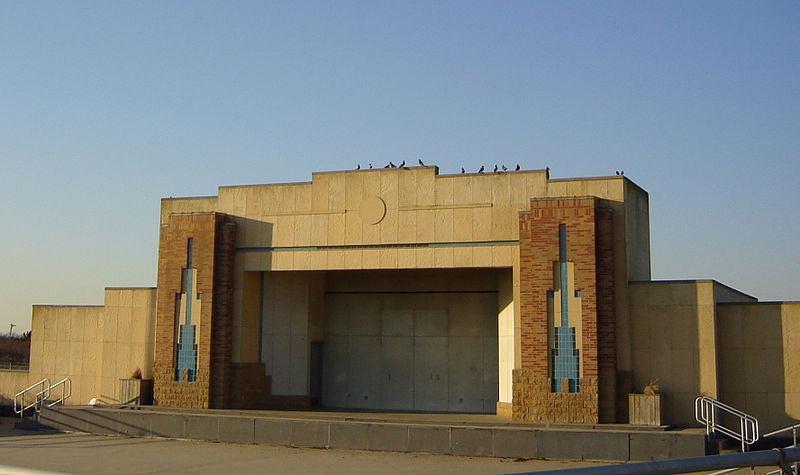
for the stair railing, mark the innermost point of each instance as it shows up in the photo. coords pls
(794, 429)
(42, 392)
(706, 412)
(66, 391)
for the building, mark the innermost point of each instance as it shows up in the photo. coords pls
(402, 289)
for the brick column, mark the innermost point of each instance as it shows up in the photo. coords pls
(212, 257)
(533, 398)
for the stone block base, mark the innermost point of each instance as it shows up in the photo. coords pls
(535, 402)
(185, 394)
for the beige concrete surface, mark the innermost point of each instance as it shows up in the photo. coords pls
(93, 345)
(90, 454)
(759, 364)
(10, 383)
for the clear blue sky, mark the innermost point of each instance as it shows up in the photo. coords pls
(105, 107)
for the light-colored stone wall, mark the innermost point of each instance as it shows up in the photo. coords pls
(66, 341)
(284, 337)
(11, 382)
(677, 339)
(128, 325)
(94, 346)
(673, 343)
(759, 360)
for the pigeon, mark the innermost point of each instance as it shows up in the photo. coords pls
(617, 172)
(517, 169)
(392, 165)
(370, 166)
(547, 171)
(504, 168)
(387, 165)
(495, 168)
(481, 170)
(358, 167)
(621, 173)
(462, 170)
(403, 164)
(420, 163)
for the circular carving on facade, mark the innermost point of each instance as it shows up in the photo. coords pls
(372, 210)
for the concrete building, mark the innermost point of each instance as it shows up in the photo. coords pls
(406, 290)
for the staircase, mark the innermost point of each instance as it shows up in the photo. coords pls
(29, 401)
(710, 412)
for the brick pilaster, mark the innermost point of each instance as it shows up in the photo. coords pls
(212, 257)
(589, 247)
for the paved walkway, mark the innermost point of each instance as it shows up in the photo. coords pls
(83, 453)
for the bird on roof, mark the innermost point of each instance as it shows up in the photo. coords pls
(617, 172)
(481, 170)
(392, 165)
(420, 163)
(517, 169)
(495, 168)
(462, 170)
(358, 167)
(504, 168)
(403, 164)
(387, 166)
(547, 171)
(370, 166)
(621, 173)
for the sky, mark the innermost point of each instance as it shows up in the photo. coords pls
(108, 106)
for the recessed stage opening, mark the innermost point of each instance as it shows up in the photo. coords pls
(385, 340)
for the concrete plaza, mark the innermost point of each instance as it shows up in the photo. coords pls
(84, 453)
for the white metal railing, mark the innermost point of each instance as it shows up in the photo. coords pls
(795, 468)
(706, 412)
(66, 391)
(42, 389)
(34, 396)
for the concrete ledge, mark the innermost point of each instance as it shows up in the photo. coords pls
(471, 441)
(397, 433)
(430, 439)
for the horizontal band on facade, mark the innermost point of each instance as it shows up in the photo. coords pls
(406, 292)
(344, 247)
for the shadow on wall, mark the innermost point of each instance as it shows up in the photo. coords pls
(665, 344)
(254, 238)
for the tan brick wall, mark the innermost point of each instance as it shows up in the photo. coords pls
(612, 402)
(590, 249)
(212, 256)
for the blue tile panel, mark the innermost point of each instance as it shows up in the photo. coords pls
(187, 353)
(564, 357)
(186, 348)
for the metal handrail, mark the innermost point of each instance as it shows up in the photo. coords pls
(775, 457)
(39, 397)
(785, 429)
(705, 412)
(66, 391)
(794, 429)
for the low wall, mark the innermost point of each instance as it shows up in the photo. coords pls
(11, 382)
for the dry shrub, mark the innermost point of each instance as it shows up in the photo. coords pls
(651, 389)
